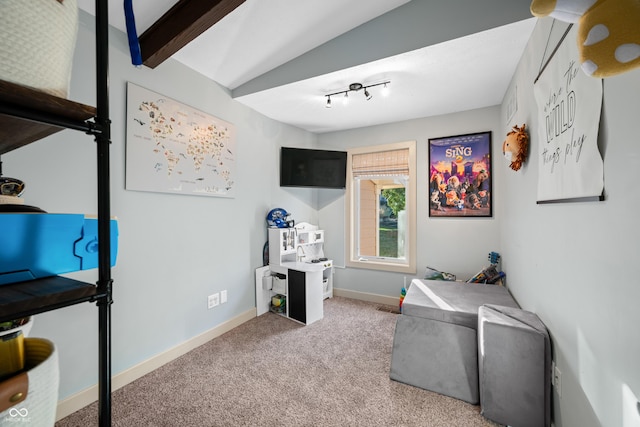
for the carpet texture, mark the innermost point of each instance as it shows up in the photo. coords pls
(271, 371)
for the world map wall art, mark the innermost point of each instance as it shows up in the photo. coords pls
(175, 148)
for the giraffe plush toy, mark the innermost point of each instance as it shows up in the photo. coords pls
(608, 32)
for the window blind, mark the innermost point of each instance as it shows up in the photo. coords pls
(381, 163)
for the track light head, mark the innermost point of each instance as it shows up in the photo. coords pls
(328, 105)
(385, 90)
(367, 94)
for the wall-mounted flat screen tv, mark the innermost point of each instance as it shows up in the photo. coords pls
(302, 167)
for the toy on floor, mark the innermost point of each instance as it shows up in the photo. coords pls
(516, 147)
(278, 304)
(433, 274)
(494, 258)
(491, 274)
(608, 32)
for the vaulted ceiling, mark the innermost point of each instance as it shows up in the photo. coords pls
(281, 57)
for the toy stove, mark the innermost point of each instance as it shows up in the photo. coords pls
(327, 263)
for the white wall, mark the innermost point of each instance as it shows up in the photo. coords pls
(174, 250)
(456, 245)
(576, 264)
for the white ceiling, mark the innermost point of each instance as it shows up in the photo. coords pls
(468, 72)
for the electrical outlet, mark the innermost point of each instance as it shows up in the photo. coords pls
(557, 380)
(213, 300)
(223, 296)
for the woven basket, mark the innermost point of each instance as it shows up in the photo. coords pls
(41, 387)
(37, 40)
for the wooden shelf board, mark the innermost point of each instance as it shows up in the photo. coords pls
(40, 295)
(16, 132)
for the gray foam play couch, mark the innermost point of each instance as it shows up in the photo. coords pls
(435, 344)
(436, 347)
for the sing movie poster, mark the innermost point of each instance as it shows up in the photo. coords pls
(460, 175)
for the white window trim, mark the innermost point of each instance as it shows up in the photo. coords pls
(374, 263)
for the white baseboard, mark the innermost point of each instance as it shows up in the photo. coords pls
(85, 397)
(365, 296)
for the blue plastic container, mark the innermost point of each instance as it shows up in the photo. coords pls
(35, 245)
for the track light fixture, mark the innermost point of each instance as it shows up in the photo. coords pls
(355, 87)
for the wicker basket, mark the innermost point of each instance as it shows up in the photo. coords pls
(37, 40)
(32, 396)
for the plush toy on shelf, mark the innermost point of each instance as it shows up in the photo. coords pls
(516, 147)
(608, 32)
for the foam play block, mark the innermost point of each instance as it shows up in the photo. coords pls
(35, 245)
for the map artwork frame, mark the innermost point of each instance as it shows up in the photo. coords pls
(460, 176)
(174, 148)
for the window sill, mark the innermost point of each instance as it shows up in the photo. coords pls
(382, 266)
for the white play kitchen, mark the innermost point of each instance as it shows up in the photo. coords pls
(299, 276)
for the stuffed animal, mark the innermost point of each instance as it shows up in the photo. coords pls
(515, 147)
(608, 32)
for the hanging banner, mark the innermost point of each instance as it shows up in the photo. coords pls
(569, 104)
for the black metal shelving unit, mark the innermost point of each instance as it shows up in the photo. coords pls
(27, 115)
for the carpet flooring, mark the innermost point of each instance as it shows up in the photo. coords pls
(272, 371)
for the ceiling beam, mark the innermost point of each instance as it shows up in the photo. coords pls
(185, 21)
(411, 26)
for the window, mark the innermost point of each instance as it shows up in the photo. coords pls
(381, 207)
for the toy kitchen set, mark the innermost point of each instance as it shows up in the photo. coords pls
(298, 278)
